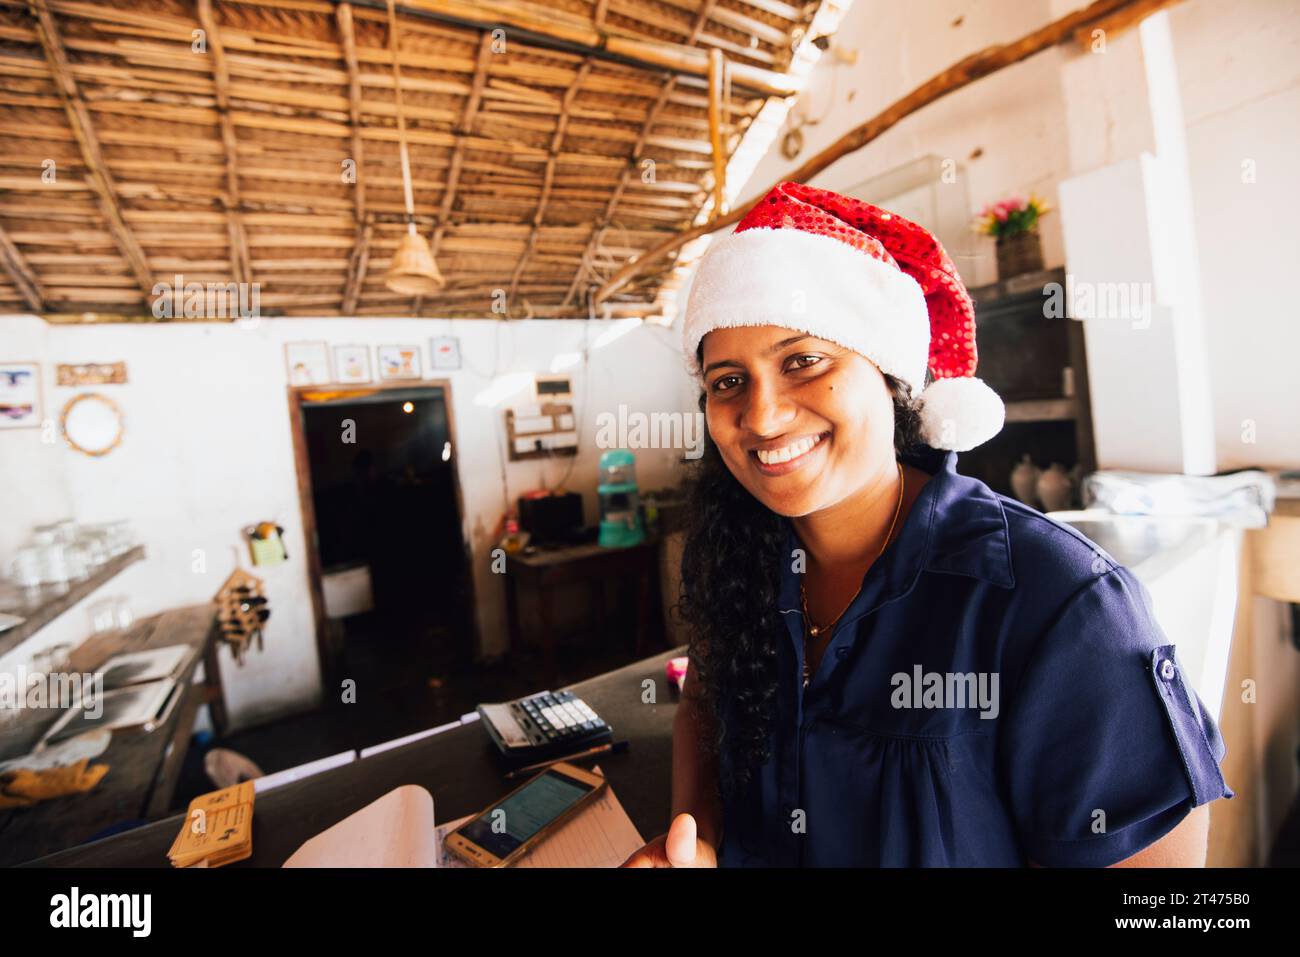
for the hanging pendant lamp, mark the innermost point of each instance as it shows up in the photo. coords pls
(412, 271)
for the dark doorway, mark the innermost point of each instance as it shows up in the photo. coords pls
(395, 590)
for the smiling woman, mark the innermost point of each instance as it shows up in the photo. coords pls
(843, 435)
(834, 554)
(839, 424)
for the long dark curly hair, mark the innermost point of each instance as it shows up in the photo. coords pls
(728, 600)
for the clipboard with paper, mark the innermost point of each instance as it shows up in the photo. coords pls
(398, 830)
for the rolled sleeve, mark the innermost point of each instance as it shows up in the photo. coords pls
(1104, 747)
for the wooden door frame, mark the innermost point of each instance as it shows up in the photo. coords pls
(307, 505)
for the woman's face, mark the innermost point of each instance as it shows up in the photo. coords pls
(802, 423)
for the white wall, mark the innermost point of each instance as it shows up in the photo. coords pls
(1129, 225)
(1236, 85)
(208, 450)
(1239, 69)
(1135, 358)
(35, 492)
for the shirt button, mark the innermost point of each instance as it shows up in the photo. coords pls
(1167, 669)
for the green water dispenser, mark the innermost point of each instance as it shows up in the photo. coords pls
(620, 503)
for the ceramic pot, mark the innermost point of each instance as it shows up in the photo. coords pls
(1024, 481)
(1055, 489)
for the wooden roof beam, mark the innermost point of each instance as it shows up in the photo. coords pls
(556, 142)
(21, 273)
(464, 129)
(343, 15)
(357, 264)
(717, 69)
(744, 24)
(240, 260)
(564, 31)
(600, 226)
(360, 257)
(598, 229)
(98, 176)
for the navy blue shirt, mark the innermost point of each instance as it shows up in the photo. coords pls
(999, 692)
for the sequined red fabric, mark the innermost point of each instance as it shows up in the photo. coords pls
(891, 239)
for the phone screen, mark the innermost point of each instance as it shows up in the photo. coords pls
(502, 828)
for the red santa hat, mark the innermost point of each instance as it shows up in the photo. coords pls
(843, 270)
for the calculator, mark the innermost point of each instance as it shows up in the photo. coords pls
(549, 724)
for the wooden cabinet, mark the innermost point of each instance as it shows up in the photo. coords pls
(1034, 358)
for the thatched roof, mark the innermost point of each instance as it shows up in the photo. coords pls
(133, 149)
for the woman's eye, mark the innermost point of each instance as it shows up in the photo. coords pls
(804, 362)
(725, 383)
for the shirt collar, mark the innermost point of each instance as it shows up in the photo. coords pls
(967, 525)
(957, 526)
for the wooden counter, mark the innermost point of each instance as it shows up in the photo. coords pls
(457, 766)
(143, 767)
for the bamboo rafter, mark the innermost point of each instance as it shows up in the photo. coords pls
(547, 178)
(360, 257)
(240, 261)
(97, 174)
(598, 230)
(464, 129)
(21, 273)
(585, 33)
(716, 69)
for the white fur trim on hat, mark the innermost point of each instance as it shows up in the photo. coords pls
(960, 413)
(814, 284)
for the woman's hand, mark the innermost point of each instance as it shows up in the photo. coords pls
(680, 847)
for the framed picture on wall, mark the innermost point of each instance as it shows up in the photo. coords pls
(20, 395)
(308, 363)
(399, 362)
(445, 352)
(352, 364)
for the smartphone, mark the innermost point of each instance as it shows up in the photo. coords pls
(511, 827)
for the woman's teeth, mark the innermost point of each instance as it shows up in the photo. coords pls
(792, 451)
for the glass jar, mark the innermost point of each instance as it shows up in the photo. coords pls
(25, 569)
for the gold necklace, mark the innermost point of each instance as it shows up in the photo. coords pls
(814, 630)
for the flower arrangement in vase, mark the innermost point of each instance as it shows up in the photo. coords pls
(1013, 222)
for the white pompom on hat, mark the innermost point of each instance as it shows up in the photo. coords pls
(843, 270)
